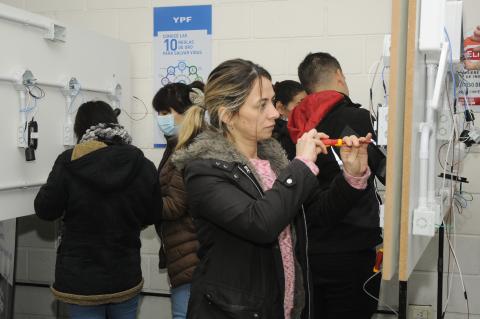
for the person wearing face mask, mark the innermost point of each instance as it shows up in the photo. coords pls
(288, 94)
(176, 230)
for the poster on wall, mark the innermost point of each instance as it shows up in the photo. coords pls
(7, 267)
(182, 46)
(469, 87)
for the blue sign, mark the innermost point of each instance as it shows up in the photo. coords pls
(182, 42)
(182, 18)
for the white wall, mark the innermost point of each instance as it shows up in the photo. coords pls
(276, 34)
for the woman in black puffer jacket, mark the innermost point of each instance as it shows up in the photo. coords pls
(106, 192)
(246, 199)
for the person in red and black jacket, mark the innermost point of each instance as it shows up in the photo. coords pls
(342, 255)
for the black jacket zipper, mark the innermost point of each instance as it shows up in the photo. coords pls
(262, 194)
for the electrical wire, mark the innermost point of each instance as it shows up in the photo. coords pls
(372, 296)
(33, 93)
(372, 83)
(450, 231)
(143, 116)
(457, 263)
(385, 95)
(457, 200)
(451, 64)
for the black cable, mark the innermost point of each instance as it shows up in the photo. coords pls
(402, 302)
(41, 92)
(441, 233)
(144, 115)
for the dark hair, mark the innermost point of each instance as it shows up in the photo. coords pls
(172, 95)
(286, 90)
(198, 85)
(90, 114)
(317, 68)
(228, 86)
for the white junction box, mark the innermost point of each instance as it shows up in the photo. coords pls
(432, 23)
(453, 25)
(424, 222)
(382, 126)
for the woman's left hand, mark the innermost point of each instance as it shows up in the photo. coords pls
(354, 154)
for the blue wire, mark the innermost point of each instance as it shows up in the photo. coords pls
(451, 65)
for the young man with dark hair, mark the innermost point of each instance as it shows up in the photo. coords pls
(342, 255)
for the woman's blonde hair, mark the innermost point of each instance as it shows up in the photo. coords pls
(228, 85)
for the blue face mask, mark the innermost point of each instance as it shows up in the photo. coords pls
(167, 124)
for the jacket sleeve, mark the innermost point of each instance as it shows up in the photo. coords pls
(328, 206)
(174, 196)
(51, 200)
(155, 205)
(223, 203)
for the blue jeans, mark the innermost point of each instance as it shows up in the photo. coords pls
(122, 310)
(180, 296)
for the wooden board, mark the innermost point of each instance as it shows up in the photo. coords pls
(395, 139)
(412, 246)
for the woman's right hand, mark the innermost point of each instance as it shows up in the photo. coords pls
(310, 145)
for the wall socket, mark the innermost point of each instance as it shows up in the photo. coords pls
(420, 312)
(444, 126)
(68, 135)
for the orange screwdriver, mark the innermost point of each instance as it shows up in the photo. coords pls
(336, 142)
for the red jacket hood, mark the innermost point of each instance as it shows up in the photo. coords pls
(310, 112)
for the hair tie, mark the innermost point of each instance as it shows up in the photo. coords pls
(197, 97)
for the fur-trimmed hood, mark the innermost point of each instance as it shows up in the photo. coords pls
(213, 145)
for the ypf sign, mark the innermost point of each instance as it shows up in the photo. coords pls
(182, 43)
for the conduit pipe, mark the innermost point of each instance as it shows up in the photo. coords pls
(54, 31)
(22, 185)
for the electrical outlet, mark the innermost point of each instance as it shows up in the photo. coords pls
(21, 139)
(68, 135)
(444, 126)
(420, 312)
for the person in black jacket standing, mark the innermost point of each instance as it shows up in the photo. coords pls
(246, 198)
(106, 192)
(288, 94)
(342, 255)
